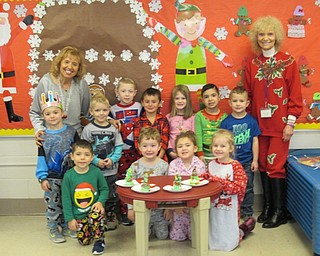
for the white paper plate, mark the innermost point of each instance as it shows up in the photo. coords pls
(122, 183)
(137, 189)
(169, 188)
(201, 183)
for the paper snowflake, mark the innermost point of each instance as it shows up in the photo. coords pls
(141, 18)
(144, 56)
(49, 3)
(40, 10)
(62, 2)
(154, 64)
(91, 55)
(37, 27)
(156, 78)
(148, 32)
(116, 81)
(136, 7)
(221, 33)
(33, 66)
(32, 92)
(89, 78)
(126, 55)
(75, 1)
(154, 46)
(104, 79)
(317, 3)
(20, 10)
(34, 41)
(108, 56)
(155, 6)
(34, 54)
(157, 87)
(33, 79)
(224, 92)
(48, 55)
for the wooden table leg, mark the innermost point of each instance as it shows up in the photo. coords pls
(142, 218)
(200, 226)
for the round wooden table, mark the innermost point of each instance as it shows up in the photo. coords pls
(197, 199)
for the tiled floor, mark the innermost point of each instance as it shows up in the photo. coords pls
(27, 235)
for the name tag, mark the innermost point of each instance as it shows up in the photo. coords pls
(265, 112)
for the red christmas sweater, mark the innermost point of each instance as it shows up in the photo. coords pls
(274, 83)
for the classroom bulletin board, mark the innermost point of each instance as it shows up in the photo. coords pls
(119, 38)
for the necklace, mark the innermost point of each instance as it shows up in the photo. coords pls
(65, 97)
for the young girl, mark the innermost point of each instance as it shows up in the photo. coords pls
(181, 117)
(208, 120)
(224, 216)
(184, 164)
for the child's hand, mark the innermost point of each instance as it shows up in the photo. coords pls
(254, 166)
(179, 211)
(98, 207)
(115, 123)
(168, 214)
(202, 159)
(73, 225)
(131, 214)
(173, 155)
(108, 162)
(101, 163)
(45, 186)
(39, 138)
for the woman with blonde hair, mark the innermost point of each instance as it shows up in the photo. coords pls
(274, 89)
(65, 79)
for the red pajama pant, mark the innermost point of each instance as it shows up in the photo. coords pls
(273, 154)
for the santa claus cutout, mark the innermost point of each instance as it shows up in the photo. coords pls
(7, 70)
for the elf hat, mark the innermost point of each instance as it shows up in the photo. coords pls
(186, 7)
(242, 11)
(3, 8)
(50, 101)
(298, 11)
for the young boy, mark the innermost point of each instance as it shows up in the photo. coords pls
(149, 145)
(107, 147)
(246, 131)
(84, 193)
(208, 120)
(52, 155)
(151, 101)
(125, 111)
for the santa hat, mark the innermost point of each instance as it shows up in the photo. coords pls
(85, 186)
(186, 7)
(3, 8)
(50, 101)
(298, 11)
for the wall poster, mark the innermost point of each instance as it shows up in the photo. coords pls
(143, 40)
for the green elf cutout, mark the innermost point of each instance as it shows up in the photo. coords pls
(191, 59)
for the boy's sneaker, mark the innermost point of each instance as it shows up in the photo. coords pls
(125, 220)
(111, 221)
(247, 226)
(56, 236)
(98, 247)
(68, 232)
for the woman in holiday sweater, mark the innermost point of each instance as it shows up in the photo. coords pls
(274, 89)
